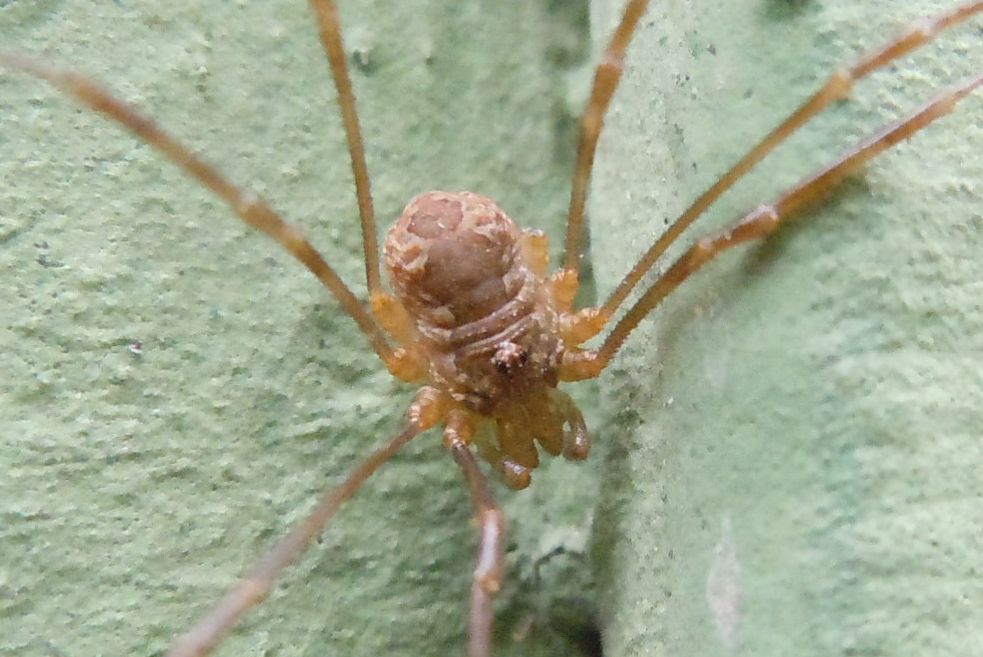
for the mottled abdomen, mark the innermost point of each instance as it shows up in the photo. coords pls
(486, 322)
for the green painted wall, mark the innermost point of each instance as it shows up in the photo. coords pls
(798, 425)
(135, 488)
(799, 436)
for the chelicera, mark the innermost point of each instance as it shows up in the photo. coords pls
(474, 318)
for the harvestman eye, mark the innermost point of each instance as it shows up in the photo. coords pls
(468, 311)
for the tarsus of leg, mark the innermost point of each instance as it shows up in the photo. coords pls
(329, 30)
(606, 78)
(837, 87)
(250, 207)
(764, 220)
(202, 638)
(489, 565)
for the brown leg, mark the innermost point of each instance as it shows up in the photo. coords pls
(253, 588)
(329, 29)
(490, 564)
(252, 209)
(760, 223)
(428, 409)
(606, 78)
(837, 87)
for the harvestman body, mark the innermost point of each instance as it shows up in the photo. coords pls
(474, 318)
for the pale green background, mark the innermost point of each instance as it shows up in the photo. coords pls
(797, 468)
(845, 458)
(136, 488)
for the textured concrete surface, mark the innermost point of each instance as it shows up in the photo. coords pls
(800, 433)
(136, 486)
(793, 463)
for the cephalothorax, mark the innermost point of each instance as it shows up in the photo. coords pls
(474, 316)
(490, 331)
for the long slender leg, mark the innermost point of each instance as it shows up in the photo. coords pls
(761, 222)
(252, 209)
(837, 87)
(210, 629)
(606, 78)
(428, 409)
(491, 526)
(329, 29)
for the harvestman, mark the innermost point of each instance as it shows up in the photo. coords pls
(474, 318)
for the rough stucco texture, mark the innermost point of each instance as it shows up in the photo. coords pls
(799, 429)
(135, 487)
(792, 466)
